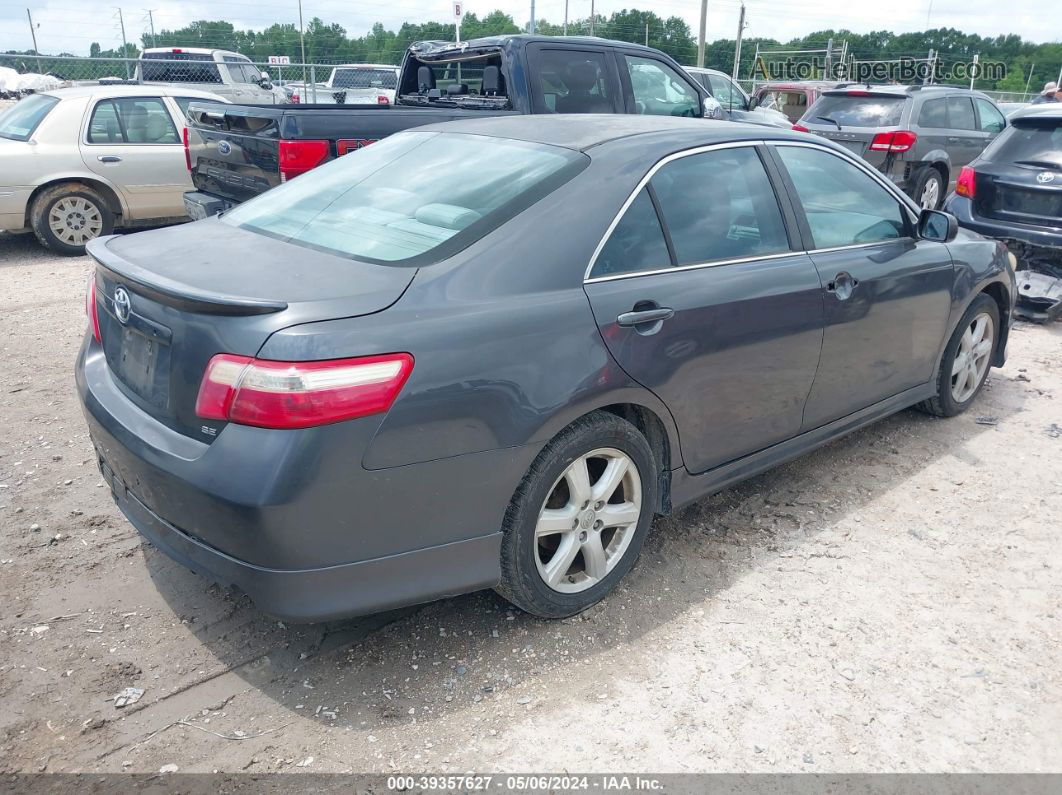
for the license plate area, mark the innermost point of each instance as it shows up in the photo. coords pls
(139, 356)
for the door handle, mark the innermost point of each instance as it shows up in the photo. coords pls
(109, 159)
(953, 139)
(842, 285)
(642, 316)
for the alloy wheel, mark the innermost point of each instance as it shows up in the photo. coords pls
(930, 194)
(588, 520)
(75, 220)
(972, 357)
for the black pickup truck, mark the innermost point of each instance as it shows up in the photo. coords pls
(238, 151)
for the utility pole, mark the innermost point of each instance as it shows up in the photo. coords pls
(646, 34)
(33, 35)
(302, 45)
(591, 17)
(531, 27)
(703, 30)
(125, 44)
(151, 21)
(737, 43)
(928, 79)
(1032, 66)
(976, 60)
(565, 17)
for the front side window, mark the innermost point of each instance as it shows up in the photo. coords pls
(718, 206)
(574, 81)
(19, 121)
(659, 90)
(961, 114)
(844, 206)
(132, 120)
(414, 197)
(636, 244)
(727, 93)
(992, 120)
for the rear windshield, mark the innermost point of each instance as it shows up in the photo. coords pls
(365, 78)
(179, 67)
(856, 111)
(1034, 141)
(20, 120)
(413, 198)
(466, 75)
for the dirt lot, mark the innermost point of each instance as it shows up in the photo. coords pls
(891, 602)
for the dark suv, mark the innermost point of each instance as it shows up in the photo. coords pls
(920, 137)
(1013, 191)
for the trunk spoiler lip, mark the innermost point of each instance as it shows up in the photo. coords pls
(174, 293)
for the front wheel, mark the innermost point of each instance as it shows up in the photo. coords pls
(964, 366)
(578, 520)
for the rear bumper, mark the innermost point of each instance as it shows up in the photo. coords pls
(13, 203)
(962, 209)
(292, 517)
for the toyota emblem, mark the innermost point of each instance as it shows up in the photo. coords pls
(224, 147)
(122, 305)
(1044, 177)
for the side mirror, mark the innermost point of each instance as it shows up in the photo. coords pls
(266, 84)
(712, 108)
(938, 226)
(265, 76)
(752, 103)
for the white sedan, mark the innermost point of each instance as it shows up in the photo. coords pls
(75, 163)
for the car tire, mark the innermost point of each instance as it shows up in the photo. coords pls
(540, 572)
(65, 217)
(959, 362)
(930, 186)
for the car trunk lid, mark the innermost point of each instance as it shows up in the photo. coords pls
(1022, 192)
(168, 301)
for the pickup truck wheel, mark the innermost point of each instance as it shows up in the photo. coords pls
(578, 520)
(66, 217)
(967, 359)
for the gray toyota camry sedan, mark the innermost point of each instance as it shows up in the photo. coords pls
(484, 354)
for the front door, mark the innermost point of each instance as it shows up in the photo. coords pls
(133, 143)
(887, 294)
(701, 298)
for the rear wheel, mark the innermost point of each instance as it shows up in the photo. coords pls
(929, 190)
(967, 359)
(66, 217)
(578, 520)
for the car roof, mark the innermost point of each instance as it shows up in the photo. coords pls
(582, 131)
(441, 49)
(1049, 109)
(900, 90)
(125, 90)
(192, 50)
(796, 84)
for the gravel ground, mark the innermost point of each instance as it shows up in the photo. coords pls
(888, 603)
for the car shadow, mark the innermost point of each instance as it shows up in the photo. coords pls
(434, 660)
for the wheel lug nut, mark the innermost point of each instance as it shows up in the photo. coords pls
(598, 506)
(582, 536)
(598, 524)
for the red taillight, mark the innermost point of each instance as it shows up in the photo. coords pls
(382, 100)
(176, 50)
(800, 128)
(187, 151)
(899, 141)
(966, 185)
(90, 306)
(295, 99)
(271, 394)
(298, 157)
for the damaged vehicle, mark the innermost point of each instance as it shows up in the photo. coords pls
(1013, 192)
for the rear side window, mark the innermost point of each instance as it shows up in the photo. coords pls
(573, 81)
(179, 67)
(843, 205)
(719, 205)
(19, 121)
(1032, 141)
(961, 114)
(857, 111)
(659, 90)
(415, 197)
(934, 114)
(134, 120)
(636, 244)
(992, 120)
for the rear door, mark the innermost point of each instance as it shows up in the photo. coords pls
(886, 293)
(965, 138)
(700, 295)
(134, 143)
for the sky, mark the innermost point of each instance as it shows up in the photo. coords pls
(72, 25)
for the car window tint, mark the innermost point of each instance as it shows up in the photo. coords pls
(637, 242)
(574, 81)
(992, 120)
(659, 90)
(104, 127)
(719, 205)
(844, 206)
(141, 121)
(961, 114)
(726, 92)
(934, 114)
